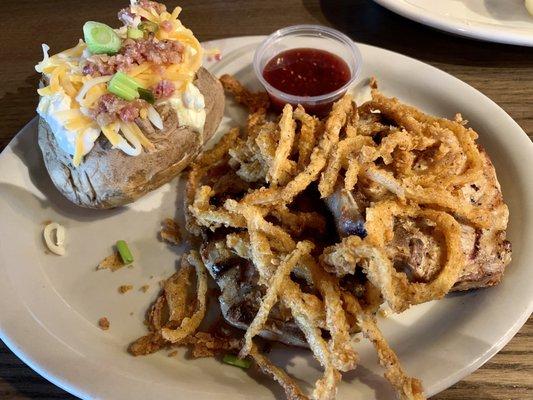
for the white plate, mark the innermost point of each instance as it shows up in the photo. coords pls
(502, 21)
(49, 305)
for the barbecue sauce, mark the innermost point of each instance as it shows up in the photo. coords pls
(307, 72)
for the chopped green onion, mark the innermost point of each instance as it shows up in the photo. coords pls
(147, 95)
(101, 38)
(124, 252)
(236, 361)
(124, 86)
(148, 27)
(134, 33)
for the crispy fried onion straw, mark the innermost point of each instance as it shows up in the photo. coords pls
(307, 319)
(311, 172)
(287, 130)
(268, 154)
(190, 324)
(254, 188)
(253, 101)
(456, 163)
(168, 319)
(396, 289)
(274, 286)
(407, 387)
(292, 391)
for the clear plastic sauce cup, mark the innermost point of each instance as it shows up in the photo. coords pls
(307, 37)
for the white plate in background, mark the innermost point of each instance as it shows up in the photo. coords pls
(49, 305)
(502, 21)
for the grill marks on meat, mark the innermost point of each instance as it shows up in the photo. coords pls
(133, 53)
(418, 250)
(241, 294)
(489, 251)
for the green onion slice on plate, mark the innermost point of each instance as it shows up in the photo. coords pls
(236, 361)
(124, 252)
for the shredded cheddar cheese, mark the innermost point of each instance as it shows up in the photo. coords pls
(63, 74)
(111, 133)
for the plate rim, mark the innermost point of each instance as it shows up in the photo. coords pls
(79, 388)
(477, 31)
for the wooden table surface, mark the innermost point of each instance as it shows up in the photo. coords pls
(504, 73)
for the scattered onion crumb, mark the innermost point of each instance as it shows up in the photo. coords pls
(144, 288)
(124, 288)
(112, 262)
(385, 312)
(170, 232)
(173, 353)
(103, 323)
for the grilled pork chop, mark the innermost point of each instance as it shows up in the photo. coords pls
(417, 250)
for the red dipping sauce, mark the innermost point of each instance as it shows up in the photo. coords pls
(307, 72)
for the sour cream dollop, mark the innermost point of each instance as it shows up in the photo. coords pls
(66, 140)
(190, 107)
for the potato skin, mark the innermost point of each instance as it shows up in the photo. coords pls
(109, 178)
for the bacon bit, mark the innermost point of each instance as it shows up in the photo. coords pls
(152, 5)
(124, 288)
(110, 108)
(133, 53)
(164, 89)
(113, 262)
(128, 113)
(127, 16)
(218, 57)
(103, 323)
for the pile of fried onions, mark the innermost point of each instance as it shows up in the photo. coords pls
(277, 161)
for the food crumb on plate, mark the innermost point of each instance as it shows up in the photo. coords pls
(124, 288)
(173, 353)
(103, 323)
(144, 288)
(170, 232)
(112, 262)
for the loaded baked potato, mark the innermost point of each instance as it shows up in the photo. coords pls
(127, 109)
